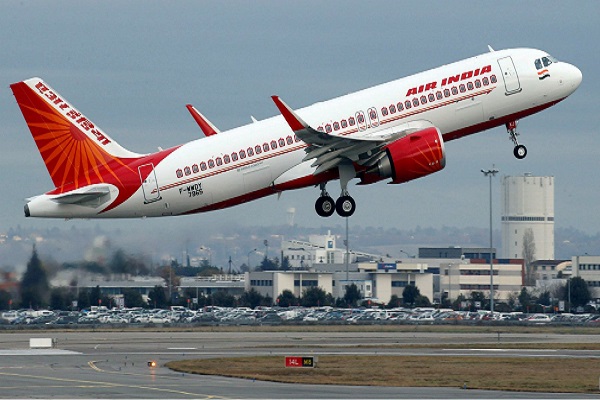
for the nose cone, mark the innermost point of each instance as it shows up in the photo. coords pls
(577, 76)
(573, 77)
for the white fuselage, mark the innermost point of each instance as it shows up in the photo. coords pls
(202, 175)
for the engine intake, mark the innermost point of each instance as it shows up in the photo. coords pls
(416, 155)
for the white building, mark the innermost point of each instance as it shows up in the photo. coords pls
(528, 203)
(464, 278)
(588, 268)
(320, 249)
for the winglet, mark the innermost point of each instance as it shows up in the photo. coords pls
(207, 127)
(293, 120)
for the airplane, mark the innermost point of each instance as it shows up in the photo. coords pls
(394, 131)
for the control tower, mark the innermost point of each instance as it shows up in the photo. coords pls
(528, 203)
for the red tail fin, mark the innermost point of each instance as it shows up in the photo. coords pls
(75, 151)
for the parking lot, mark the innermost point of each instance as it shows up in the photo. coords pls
(281, 316)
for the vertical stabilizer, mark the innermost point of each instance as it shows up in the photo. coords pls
(74, 149)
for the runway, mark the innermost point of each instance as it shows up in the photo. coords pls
(104, 364)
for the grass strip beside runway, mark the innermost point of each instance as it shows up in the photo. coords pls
(537, 374)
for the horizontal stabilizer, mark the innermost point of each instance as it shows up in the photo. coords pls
(85, 197)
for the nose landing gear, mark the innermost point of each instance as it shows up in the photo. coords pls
(519, 151)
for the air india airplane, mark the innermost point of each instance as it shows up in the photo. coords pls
(394, 131)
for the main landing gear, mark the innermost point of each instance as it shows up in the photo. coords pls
(519, 151)
(345, 204)
(326, 206)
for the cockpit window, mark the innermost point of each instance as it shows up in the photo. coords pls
(544, 62)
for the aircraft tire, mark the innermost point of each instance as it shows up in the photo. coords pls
(520, 151)
(345, 206)
(325, 206)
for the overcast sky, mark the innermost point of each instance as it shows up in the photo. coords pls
(132, 66)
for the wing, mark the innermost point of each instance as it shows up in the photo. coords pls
(329, 151)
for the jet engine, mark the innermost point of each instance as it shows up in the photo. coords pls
(413, 156)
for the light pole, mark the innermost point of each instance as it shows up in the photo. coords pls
(346, 243)
(250, 252)
(491, 173)
(408, 255)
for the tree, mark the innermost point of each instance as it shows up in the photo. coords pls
(580, 292)
(118, 263)
(157, 297)
(422, 301)
(529, 256)
(287, 299)
(457, 304)
(34, 284)
(5, 300)
(96, 296)
(394, 301)
(478, 296)
(222, 299)
(83, 299)
(133, 298)
(525, 299)
(285, 263)
(60, 299)
(314, 296)
(268, 264)
(410, 294)
(251, 299)
(544, 298)
(352, 295)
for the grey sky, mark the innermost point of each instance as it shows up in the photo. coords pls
(132, 66)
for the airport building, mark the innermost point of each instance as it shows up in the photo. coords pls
(462, 278)
(588, 268)
(232, 284)
(376, 281)
(527, 211)
(320, 249)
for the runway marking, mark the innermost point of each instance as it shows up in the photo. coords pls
(507, 350)
(182, 348)
(95, 384)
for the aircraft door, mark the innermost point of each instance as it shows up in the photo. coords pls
(149, 183)
(509, 74)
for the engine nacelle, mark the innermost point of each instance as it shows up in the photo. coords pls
(416, 155)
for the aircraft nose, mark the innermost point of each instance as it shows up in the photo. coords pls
(574, 76)
(578, 76)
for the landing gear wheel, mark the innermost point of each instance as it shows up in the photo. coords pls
(325, 206)
(345, 206)
(520, 151)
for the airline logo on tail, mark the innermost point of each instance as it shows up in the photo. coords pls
(76, 152)
(72, 113)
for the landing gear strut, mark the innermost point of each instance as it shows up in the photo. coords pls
(519, 151)
(325, 206)
(345, 204)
